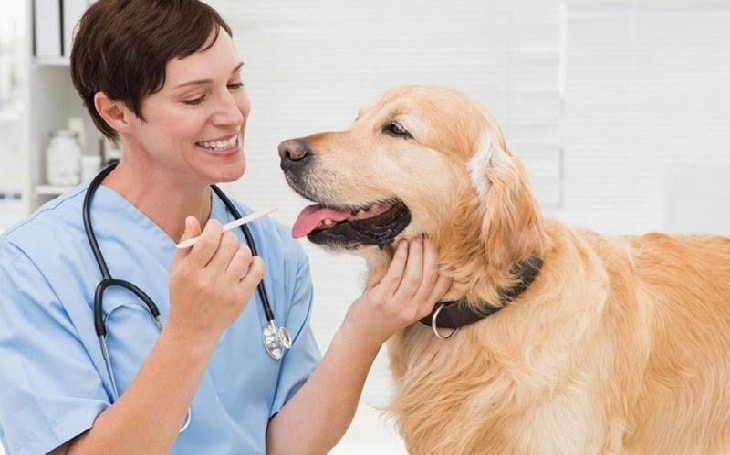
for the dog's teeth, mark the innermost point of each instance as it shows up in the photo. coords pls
(328, 222)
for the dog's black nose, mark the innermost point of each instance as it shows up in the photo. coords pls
(293, 152)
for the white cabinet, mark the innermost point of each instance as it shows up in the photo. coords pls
(12, 112)
(50, 101)
(36, 98)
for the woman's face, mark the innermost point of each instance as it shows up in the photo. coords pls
(193, 129)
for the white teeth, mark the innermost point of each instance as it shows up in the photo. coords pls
(219, 145)
(328, 222)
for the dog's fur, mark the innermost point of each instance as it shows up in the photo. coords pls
(620, 346)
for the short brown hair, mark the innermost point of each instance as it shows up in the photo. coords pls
(122, 47)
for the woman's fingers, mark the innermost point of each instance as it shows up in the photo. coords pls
(192, 229)
(430, 264)
(433, 284)
(413, 274)
(252, 275)
(390, 282)
(421, 273)
(240, 262)
(204, 249)
(443, 284)
(217, 253)
(228, 246)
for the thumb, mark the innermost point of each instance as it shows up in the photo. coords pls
(192, 228)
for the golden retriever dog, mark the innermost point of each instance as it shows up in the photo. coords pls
(552, 339)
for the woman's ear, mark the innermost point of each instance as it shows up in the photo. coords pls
(115, 113)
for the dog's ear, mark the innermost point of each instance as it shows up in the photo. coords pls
(511, 220)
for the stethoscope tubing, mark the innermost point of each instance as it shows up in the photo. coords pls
(107, 280)
(260, 288)
(276, 339)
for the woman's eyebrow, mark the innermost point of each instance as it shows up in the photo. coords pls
(206, 81)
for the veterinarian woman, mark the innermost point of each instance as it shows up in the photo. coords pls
(219, 375)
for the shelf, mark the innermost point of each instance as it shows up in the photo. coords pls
(52, 61)
(52, 190)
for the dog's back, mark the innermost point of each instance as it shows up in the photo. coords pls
(684, 402)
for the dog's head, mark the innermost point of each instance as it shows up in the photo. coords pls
(418, 159)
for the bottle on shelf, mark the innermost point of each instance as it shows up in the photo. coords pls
(63, 156)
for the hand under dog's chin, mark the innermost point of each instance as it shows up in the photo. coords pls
(378, 258)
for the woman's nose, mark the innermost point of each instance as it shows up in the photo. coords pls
(232, 109)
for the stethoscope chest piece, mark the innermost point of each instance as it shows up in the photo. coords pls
(276, 340)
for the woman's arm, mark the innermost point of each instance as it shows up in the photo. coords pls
(315, 419)
(148, 416)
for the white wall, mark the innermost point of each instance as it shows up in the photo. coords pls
(646, 100)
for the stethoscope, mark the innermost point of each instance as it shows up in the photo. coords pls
(276, 339)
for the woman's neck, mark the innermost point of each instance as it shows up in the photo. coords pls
(162, 199)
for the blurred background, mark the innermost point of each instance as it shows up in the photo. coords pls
(620, 109)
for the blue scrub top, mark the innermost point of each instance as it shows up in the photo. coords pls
(54, 382)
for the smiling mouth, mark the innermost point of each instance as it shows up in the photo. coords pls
(350, 227)
(219, 146)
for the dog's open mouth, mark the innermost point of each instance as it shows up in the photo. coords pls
(377, 224)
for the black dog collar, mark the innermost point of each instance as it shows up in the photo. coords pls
(453, 315)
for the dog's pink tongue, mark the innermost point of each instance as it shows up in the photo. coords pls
(312, 216)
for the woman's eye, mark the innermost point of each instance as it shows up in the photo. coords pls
(194, 101)
(396, 129)
(199, 100)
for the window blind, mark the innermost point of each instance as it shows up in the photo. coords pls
(646, 93)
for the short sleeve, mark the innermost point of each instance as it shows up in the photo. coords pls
(301, 359)
(50, 390)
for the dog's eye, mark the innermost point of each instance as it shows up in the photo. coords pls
(396, 129)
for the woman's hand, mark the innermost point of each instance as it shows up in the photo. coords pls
(211, 282)
(325, 405)
(407, 292)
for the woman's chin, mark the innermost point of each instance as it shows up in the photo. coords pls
(231, 171)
